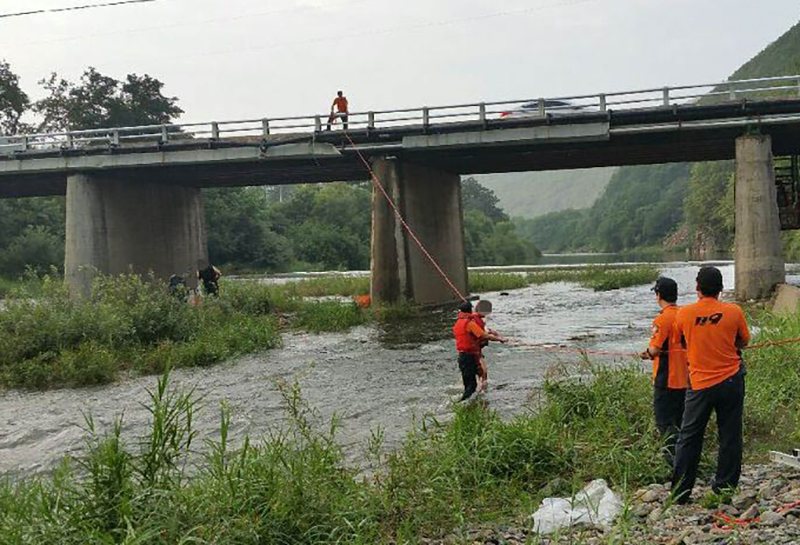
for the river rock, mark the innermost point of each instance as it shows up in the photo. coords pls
(650, 496)
(772, 518)
(751, 513)
(744, 499)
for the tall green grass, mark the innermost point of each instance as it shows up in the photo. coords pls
(483, 282)
(293, 486)
(128, 324)
(131, 324)
(598, 278)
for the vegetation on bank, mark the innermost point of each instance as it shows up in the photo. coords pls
(597, 278)
(293, 486)
(129, 324)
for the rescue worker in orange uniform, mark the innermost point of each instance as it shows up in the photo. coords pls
(670, 373)
(468, 336)
(714, 334)
(340, 104)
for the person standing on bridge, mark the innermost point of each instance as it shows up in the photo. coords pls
(341, 107)
(714, 334)
(469, 336)
(670, 373)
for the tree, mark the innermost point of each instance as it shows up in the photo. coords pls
(240, 231)
(13, 100)
(474, 196)
(98, 101)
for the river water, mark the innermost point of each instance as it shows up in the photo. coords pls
(369, 377)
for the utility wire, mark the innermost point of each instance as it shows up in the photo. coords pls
(74, 8)
(249, 15)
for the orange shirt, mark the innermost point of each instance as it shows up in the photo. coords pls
(341, 104)
(710, 330)
(669, 367)
(476, 330)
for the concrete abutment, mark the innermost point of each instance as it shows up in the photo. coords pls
(117, 226)
(758, 253)
(430, 202)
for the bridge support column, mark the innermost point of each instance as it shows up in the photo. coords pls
(758, 253)
(430, 202)
(114, 226)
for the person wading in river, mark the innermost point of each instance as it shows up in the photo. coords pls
(714, 334)
(468, 336)
(670, 373)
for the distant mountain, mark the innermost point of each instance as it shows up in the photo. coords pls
(699, 197)
(533, 194)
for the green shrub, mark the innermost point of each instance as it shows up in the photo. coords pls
(483, 282)
(318, 317)
(598, 278)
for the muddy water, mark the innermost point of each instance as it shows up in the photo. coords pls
(371, 378)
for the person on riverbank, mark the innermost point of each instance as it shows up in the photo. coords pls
(670, 372)
(209, 275)
(341, 110)
(469, 335)
(714, 334)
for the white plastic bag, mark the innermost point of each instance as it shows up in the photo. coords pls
(595, 505)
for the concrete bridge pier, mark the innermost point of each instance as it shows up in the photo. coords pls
(115, 226)
(758, 253)
(430, 202)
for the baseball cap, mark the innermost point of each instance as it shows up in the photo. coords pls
(709, 278)
(667, 287)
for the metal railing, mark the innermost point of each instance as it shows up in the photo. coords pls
(422, 117)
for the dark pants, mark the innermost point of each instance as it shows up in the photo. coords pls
(342, 116)
(468, 364)
(668, 408)
(727, 400)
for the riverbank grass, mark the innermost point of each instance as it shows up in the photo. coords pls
(294, 486)
(599, 278)
(595, 278)
(132, 325)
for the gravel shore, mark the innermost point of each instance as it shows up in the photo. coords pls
(765, 509)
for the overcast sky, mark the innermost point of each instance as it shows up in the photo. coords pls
(228, 59)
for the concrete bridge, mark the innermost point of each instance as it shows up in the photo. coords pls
(133, 193)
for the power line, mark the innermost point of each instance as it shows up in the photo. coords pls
(74, 8)
(248, 15)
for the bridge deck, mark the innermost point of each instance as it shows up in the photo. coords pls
(611, 138)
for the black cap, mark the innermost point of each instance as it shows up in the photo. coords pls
(709, 279)
(667, 288)
(466, 306)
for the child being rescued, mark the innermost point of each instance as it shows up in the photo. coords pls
(482, 310)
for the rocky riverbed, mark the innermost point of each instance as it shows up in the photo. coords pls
(766, 509)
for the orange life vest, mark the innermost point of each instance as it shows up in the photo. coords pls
(466, 342)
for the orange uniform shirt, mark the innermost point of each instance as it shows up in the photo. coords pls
(341, 104)
(669, 367)
(710, 329)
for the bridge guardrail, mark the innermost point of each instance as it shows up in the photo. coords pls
(423, 117)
